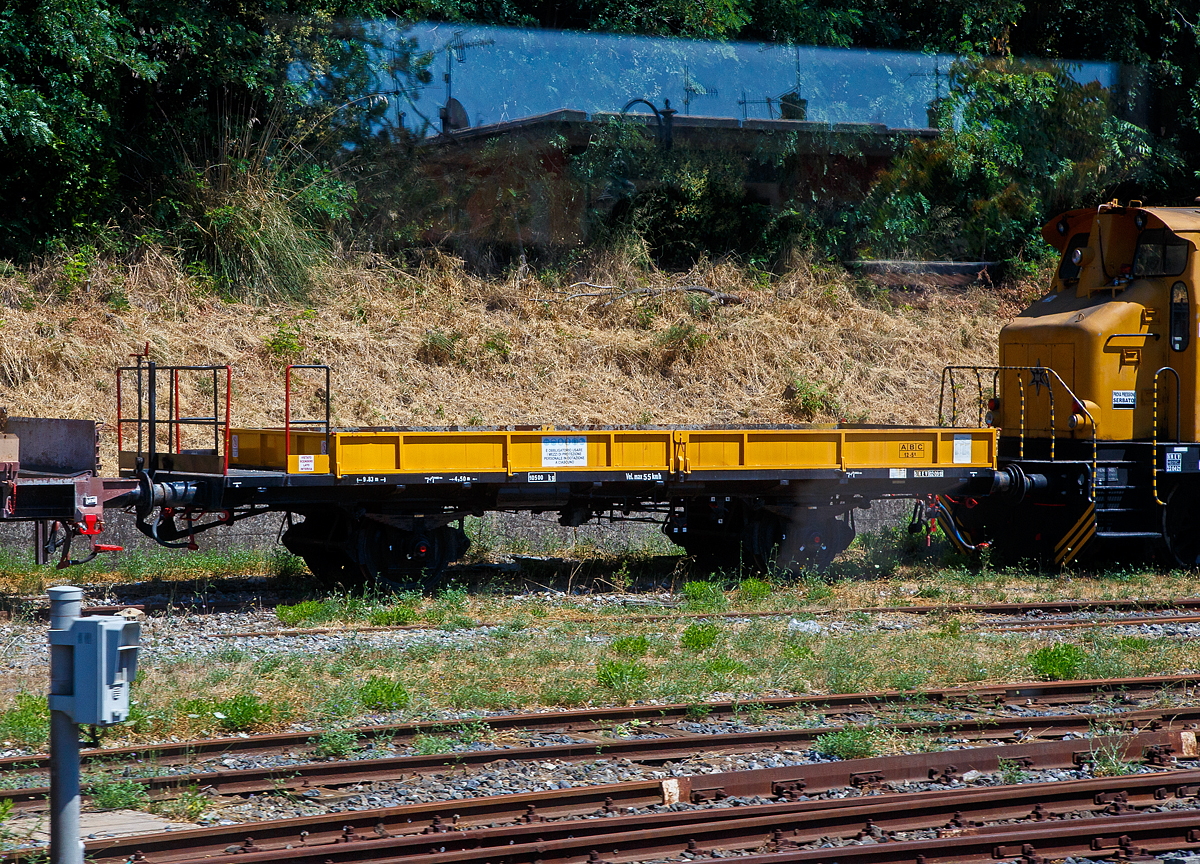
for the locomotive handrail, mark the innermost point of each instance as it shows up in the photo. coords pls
(1113, 336)
(948, 374)
(1154, 430)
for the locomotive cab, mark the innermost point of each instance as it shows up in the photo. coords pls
(1117, 332)
(1095, 391)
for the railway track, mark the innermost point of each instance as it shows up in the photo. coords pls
(338, 774)
(1179, 605)
(1126, 691)
(557, 824)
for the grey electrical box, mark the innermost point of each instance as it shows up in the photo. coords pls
(105, 651)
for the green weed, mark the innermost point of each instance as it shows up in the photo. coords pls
(390, 616)
(704, 597)
(242, 713)
(1011, 772)
(427, 745)
(1058, 662)
(109, 793)
(857, 742)
(699, 637)
(186, 805)
(754, 590)
(630, 646)
(438, 348)
(336, 743)
(27, 723)
(807, 400)
(293, 615)
(623, 678)
(378, 693)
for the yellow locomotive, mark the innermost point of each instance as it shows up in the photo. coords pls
(1095, 397)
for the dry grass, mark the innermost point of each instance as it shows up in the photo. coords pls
(438, 346)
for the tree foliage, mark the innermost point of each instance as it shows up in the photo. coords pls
(122, 112)
(1020, 141)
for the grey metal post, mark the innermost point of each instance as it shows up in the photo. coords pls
(66, 603)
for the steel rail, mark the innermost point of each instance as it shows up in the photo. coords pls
(1033, 842)
(408, 829)
(593, 719)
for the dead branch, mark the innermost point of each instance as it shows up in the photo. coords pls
(614, 293)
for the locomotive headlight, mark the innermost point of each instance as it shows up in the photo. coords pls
(1076, 421)
(1082, 255)
(1140, 221)
(989, 419)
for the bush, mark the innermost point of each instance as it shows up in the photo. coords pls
(1021, 141)
(383, 694)
(699, 637)
(1059, 662)
(807, 400)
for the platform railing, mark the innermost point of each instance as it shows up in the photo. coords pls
(288, 422)
(148, 424)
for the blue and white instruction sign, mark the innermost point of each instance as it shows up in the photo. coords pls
(564, 452)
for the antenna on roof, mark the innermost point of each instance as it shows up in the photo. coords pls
(693, 88)
(452, 114)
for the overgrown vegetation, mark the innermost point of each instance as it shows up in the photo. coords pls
(267, 149)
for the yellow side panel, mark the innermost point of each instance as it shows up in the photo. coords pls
(256, 448)
(368, 453)
(638, 450)
(452, 451)
(789, 449)
(887, 449)
(707, 450)
(308, 464)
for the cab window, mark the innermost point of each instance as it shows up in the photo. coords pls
(1180, 317)
(1159, 253)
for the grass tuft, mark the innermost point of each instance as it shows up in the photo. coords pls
(1059, 662)
(624, 678)
(383, 694)
(699, 636)
(630, 646)
(27, 723)
(856, 742)
(111, 793)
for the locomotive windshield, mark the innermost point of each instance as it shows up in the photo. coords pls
(1159, 253)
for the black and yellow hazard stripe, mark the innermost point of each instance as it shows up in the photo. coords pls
(1074, 540)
